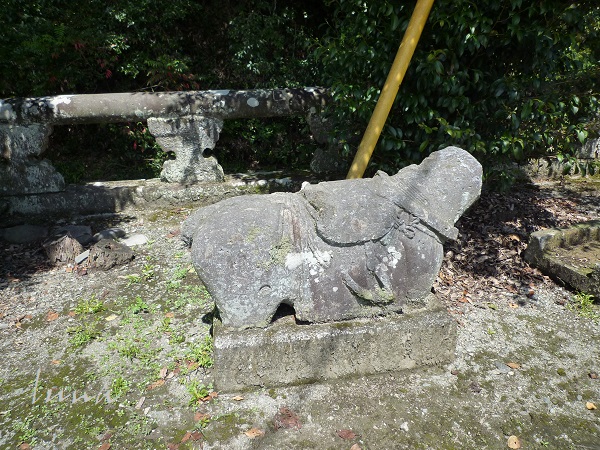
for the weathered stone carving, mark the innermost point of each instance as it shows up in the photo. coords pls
(22, 170)
(188, 137)
(337, 250)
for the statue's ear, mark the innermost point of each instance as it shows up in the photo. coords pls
(349, 212)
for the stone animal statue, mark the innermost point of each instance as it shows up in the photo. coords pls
(336, 250)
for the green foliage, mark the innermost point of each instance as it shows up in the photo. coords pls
(90, 305)
(504, 79)
(82, 334)
(201, 353)
(583, 304)
(270, 45)
(119, 387)
(265, 144)
(138, 306)
(198, 391)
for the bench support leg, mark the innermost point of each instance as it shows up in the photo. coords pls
(189, 138)
(22, 171)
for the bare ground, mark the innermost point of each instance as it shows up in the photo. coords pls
(143, 358)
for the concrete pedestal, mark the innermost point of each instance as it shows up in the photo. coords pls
(286, 353)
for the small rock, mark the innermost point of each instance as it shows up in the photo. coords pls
(134, 239)
(62, 249)
(502, 367)
(109, 233)
(82, 233)
(108, 253)
(474, 386)
(404, 426)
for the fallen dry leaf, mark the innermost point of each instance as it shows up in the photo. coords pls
(186, 437)
(111, 317)
(209, 397)
(56, 362)
(107, 436)
(355, 447)
(156, 384)
(513, 305)
(286, 418)
(105, 446)
(590, 406)
(24, 446)
(170, 315)
(593, 375)
(514, 442)
(51, 316)
(254, 433)
(163, 372)
(513, 365)
(201, 416)
(346, 434)
(196, 435)
(172, 446)
(72, 313)
(238, 398)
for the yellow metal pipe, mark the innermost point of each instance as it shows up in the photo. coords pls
(390, 88)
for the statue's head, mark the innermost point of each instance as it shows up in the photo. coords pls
(438, 191)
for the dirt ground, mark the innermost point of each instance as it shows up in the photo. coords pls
(122, 358)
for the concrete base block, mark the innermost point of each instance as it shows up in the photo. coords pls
(571, 255)
(286, 353)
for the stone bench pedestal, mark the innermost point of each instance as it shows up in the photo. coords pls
(22, 171)
(189, 138)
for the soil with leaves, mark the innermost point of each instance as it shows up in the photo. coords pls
(123, 358)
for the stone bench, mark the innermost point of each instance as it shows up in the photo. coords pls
(186, 123)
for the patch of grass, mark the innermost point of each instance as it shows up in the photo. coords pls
(165, 325)
(201, 353)
(90, 305)
(139, 306)
(583, 305)
(177, 338)
(190, 295)
(133, 278)
(82, 334)
(119, 387)
(180, 272)
(148, 271)
(198, 391)
(178, 276)
(25, 431)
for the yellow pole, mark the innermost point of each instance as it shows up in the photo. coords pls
(390, 88)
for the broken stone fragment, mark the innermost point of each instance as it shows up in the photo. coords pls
(107, 253)
(62, 249)
(336, 250)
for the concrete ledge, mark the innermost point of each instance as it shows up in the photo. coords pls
(571, 255)
(287, 354)
(118, 196)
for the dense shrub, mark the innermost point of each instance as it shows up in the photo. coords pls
(505, 79)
